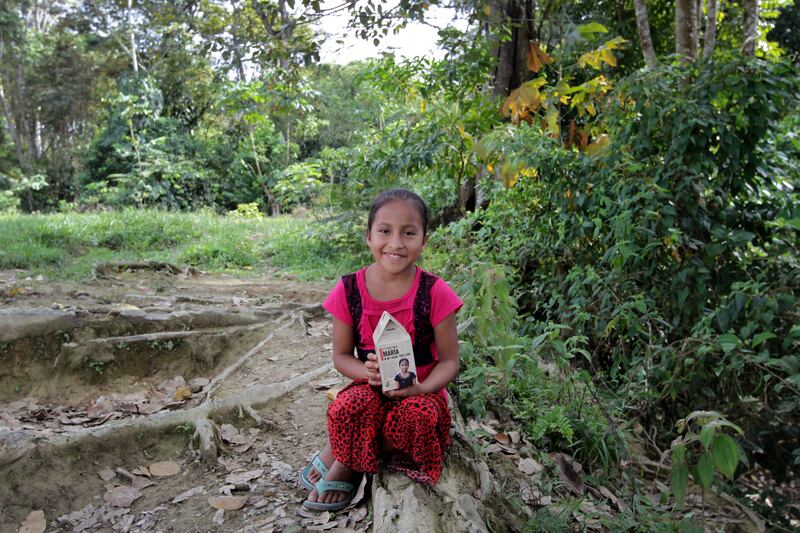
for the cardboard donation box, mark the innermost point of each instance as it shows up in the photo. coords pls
(395, 354)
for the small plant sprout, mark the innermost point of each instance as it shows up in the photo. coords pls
(707, 444)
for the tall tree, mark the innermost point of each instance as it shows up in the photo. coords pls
(750, 27)
(711, 29)
(643, 29)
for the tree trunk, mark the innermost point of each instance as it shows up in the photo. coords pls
(697, 8)
(683, 29)
(750, 27)
(134, 57)
(643, 28)
(512, 54)
(711, 29)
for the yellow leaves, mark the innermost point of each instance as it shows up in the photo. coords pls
(510, 173)
(603, 54)
(536, 57)
(523, 101)
(487, 10)
(552, 118)
(422, 107)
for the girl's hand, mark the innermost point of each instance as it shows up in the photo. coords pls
(373, 370)
(399, 394)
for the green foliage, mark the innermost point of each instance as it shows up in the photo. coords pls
(547, 521)
(717, 451)
(671, 253)
(530, 377)
(67, 245)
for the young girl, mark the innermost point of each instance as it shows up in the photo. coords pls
(409, 427)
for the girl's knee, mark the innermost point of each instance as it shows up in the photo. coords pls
(354, 400)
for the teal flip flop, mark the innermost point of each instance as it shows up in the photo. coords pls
(317, 463)
(325, 486)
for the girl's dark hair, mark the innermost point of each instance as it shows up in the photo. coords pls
(399, 194)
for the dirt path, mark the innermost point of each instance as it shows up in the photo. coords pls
(78, 356)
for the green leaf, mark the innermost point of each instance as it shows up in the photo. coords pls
(678, 453)
(706, 435)
(679, 480)
(728, 342)
(726, 454)
(588, 30)
(705, 470)
(762, 337)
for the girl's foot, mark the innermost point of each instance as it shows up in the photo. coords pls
(337, 472)
(327, 457)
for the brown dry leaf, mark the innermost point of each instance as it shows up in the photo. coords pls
(356, 515)
(569, 472)
(359, 495)
(141, 482)
(183, 496)
(332, 392)
(121, 496)
(182, 393)
(227, 503)
(502, 438)
(107, 474)
(229, 433)
(243, 477)
(529, 467)
(165, 468)
(243, 447)
(33, 523)
(141, 471)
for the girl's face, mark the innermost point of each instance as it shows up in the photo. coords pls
(396, 237)
(404, 367)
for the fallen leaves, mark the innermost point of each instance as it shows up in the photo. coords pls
(33, 523)
(165, 468)
(183, 496)
(243, 477)
(121, 496)
(570, 473)
(227, 503)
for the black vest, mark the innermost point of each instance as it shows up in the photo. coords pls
(423, 329)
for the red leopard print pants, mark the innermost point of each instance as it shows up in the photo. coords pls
(360, 418)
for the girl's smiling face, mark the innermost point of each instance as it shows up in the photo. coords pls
(396, 237)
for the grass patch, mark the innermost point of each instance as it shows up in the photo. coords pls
(67, 245)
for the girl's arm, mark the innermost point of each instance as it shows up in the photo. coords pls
(446, 369)
(343, 360)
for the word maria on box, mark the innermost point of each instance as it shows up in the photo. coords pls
(395, 354)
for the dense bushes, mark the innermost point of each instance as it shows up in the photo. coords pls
(673, 254)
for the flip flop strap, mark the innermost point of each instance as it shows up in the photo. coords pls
(319, 464)
(325, 486)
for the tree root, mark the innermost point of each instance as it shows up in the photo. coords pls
(15, 444)
(103, 269)
(219, 378)
(464, 500)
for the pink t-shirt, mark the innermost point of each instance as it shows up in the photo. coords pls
(443, 302)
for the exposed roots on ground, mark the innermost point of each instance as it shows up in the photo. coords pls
(16, 443)
(103, 269)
